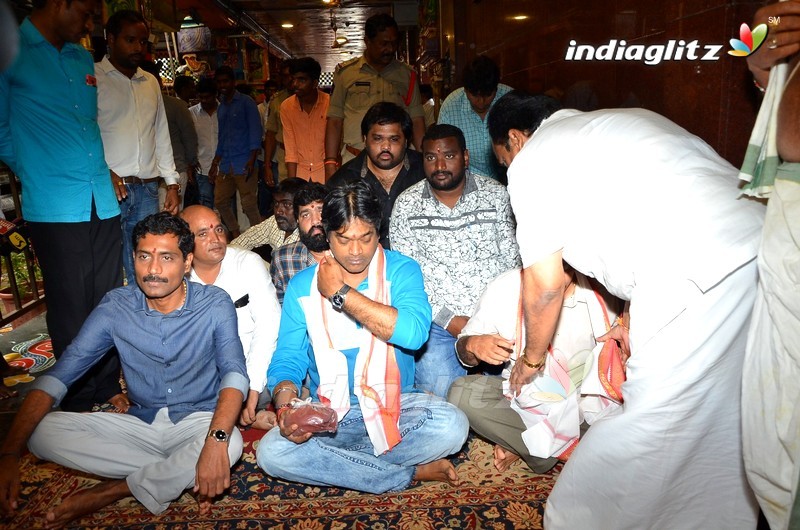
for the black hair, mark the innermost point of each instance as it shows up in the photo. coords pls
(181, 82)
(354, 200)
(225, 70)
(122, 17)
(481, 76)
(426, 91)
(165, 223)
(311, 192)
(270, 84)
(377, 23)
(206, 85)
(438, 131)
(518, 110)
(306, 65)
(290, 186)
(385, 113)
(151, 68)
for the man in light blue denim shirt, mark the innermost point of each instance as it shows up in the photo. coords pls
(185, 370)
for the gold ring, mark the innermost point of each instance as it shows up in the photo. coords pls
(773, 43)
(119, 183)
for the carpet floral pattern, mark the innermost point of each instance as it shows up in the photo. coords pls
(483, 499)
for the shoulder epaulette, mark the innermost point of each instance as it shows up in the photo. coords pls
(347, 63)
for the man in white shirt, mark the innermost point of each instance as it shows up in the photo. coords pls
(207, 127)
(133, 124)
(650, 211)
(244, 276)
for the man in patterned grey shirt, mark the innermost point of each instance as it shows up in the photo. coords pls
(460, 228)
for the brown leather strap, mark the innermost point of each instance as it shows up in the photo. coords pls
(137, 180)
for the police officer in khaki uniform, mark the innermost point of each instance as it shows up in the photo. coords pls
(360, 83)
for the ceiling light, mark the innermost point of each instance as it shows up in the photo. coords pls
(342, 40)
(520, 17)
(287, 25)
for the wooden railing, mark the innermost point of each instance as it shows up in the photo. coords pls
(21, 290)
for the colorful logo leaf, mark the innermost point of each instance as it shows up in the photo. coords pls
(748, 41)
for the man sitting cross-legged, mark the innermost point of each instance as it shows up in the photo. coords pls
(542, 423)
(186, 377)
(351, 323)
(243, 275)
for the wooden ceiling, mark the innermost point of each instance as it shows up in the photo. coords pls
(312, 33)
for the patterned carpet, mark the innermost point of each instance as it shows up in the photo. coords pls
(483, 499)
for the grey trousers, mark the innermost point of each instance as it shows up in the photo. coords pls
(157, 460)
(491, 416)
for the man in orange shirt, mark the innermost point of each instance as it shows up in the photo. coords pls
(303, 117)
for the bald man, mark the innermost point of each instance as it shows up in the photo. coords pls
(245, 277)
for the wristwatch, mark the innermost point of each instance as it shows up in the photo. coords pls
(176, 187)
(337, 298)
(218, 435)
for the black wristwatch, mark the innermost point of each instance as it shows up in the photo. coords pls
(218, 435)
(337, 298)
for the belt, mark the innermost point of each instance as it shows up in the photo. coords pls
(137, 180)
(352, 150)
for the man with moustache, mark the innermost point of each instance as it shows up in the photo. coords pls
(238, 145)
(133, 123)
(186, 380)
(291, 259)
(350, 325)
(386, 163)
(360, 83)
(67, 197)
(243, 275)
(280, 228)
(460, 229)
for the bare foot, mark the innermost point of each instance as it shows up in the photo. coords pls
(265, 420)
(120, 403)
(503, 458)
(438, 470)
(7, 393)
(86, 502)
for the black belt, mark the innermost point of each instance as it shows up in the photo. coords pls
(137, 180)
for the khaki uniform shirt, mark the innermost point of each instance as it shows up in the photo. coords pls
(357, 86)
(274, 124)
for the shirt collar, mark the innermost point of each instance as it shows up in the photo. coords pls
(365, 167)
(469, 186)
(106, 66)
(34, 37)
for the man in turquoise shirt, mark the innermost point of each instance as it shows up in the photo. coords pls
(467, 108)
(67, 198)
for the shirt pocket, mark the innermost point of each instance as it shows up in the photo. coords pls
(359, 97)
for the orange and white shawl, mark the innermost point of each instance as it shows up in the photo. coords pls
(376, 376)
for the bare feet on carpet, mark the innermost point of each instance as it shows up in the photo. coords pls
(503, 458)
(438, 470)
(265, 420)
(86, 502)
(120, 403)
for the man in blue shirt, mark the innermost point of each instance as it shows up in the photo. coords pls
(352, 323)
(238, 145)
(467, 108)
(186, 377)
(67, 194)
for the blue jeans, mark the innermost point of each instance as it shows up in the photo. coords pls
(205, 191)
(431, 429)
(142, 200)
(437, 364)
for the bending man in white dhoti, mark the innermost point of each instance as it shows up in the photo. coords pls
(681, 249)
(543, 422)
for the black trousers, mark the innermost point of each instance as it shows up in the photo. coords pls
(80, 263)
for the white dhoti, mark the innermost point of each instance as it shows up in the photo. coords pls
(771, 382)
(673, 457)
